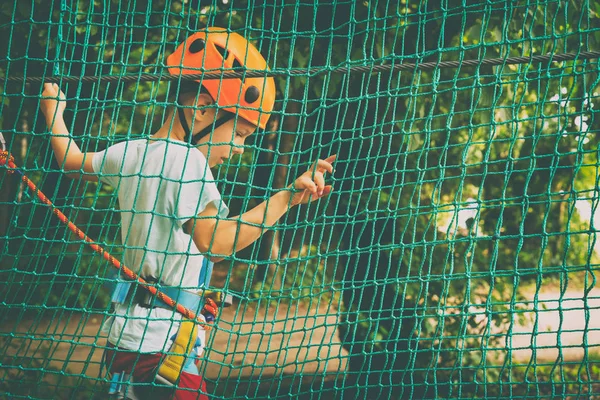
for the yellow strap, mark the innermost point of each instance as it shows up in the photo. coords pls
(171, 367)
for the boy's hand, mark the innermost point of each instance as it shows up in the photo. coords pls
(53, 102)
(310, 185)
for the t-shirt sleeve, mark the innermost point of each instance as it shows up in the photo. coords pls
(197, 190)
(108, 163)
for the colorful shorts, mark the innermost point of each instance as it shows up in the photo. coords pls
(142, 368)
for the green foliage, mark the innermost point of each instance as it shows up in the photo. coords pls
(560, 378)
(455, 189)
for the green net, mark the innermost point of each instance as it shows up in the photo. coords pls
(455, 258)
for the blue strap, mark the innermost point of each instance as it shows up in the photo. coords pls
(119, 385)
(190, 300)
(187, 299)
(120, 292)
(190, 366)
(115, 384)
(205, 273)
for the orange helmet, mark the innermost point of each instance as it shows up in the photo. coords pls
(218, 49)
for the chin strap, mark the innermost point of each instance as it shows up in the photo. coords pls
(204, 132)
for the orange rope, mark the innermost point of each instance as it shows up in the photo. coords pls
(6, 159)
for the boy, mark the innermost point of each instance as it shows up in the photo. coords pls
(172, 215)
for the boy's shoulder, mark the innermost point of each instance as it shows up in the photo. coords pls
(164, 156)
(177, 155)
(124, 145)
(181, 152)
(171, 148)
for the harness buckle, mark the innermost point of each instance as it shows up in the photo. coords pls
(221, 298)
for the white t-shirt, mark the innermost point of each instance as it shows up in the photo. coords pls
(160, 185)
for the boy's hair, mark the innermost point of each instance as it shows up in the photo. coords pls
(180, 89)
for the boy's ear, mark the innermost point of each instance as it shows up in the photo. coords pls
(204, 100)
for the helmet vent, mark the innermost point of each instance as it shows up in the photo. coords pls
(252, 94)
(237, 64)
(223, 52)
(196, 46)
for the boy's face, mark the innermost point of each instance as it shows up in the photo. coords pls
(226, 141)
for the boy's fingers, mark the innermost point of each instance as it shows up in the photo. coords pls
(331, 159)
(325, 166)
(52, 90)
(48, 90)
(306, 183)
(327, 190)
(314, 188)
(320, 181)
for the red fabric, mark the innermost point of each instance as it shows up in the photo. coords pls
(189, 387)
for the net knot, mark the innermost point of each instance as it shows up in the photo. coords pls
(6, 159)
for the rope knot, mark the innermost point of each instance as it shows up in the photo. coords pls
(6, 159)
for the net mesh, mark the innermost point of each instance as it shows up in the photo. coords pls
(456, 257)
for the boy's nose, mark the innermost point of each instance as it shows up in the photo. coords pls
(238, 150)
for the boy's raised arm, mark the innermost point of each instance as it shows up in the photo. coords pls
(66, 151)
(225, 237)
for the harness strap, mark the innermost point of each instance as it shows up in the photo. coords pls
(191, 300)
(183, 345)
(204, 132)
(205, 273)
(213, 127)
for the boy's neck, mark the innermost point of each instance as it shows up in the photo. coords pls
(171, 129)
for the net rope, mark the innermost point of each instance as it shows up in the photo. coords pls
(457, 256)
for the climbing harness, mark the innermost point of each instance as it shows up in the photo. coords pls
(8, 160)
(189, 304)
